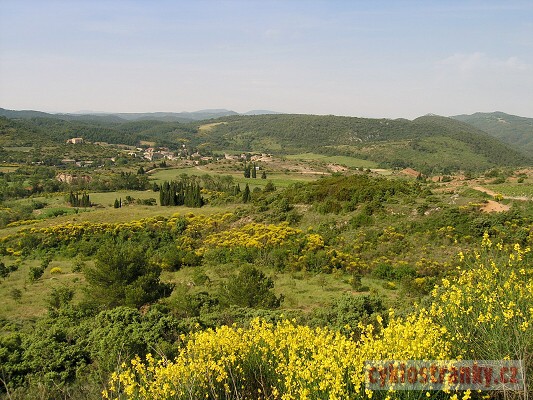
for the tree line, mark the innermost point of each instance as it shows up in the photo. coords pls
(180, 194)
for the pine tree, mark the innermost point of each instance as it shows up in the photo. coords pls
(117, 204)
(264, 175)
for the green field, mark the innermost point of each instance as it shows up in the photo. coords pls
(207, 127)
(24, 149)
(277, 178)
(301, 290)
(341, 160)
(107, 199)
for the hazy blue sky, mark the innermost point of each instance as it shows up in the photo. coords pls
(360, 58)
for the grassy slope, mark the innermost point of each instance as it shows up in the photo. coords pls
(33, 302)
(341, 160)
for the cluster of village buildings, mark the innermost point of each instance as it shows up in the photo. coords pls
(164, 153)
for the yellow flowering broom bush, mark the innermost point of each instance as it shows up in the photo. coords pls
(488, 307)
(196, 227)
(281, 361)
(254, 235)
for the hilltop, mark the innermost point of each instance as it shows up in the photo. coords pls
(512, 129)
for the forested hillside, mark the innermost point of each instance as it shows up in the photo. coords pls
(429, 144)
(514, 130)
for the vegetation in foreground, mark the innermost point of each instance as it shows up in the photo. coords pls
(102, 265)
(124, 295)
(463, 318)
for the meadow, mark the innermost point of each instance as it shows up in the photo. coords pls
(347, 161)
(278, 178)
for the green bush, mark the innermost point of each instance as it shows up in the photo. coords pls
(251, 288)
(35, 273)
(6, 270)
(348, 311)
(388, 272)
(15, 294)
(59, 297)
(122, 275)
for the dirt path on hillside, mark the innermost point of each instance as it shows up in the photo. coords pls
(484, 190)
(493, 193)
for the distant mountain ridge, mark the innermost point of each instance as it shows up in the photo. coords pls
(511, 129)
(123, 117)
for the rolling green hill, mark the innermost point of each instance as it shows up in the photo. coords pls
(22, 133)
(514, 130)
(430, 144)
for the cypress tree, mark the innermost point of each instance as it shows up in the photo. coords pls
(198, 197)
(246, 194)
(254, 171)
(165, 194)
(162, 196)
(85, 201)
(179, 194)
(172, 194)
(74, 200)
